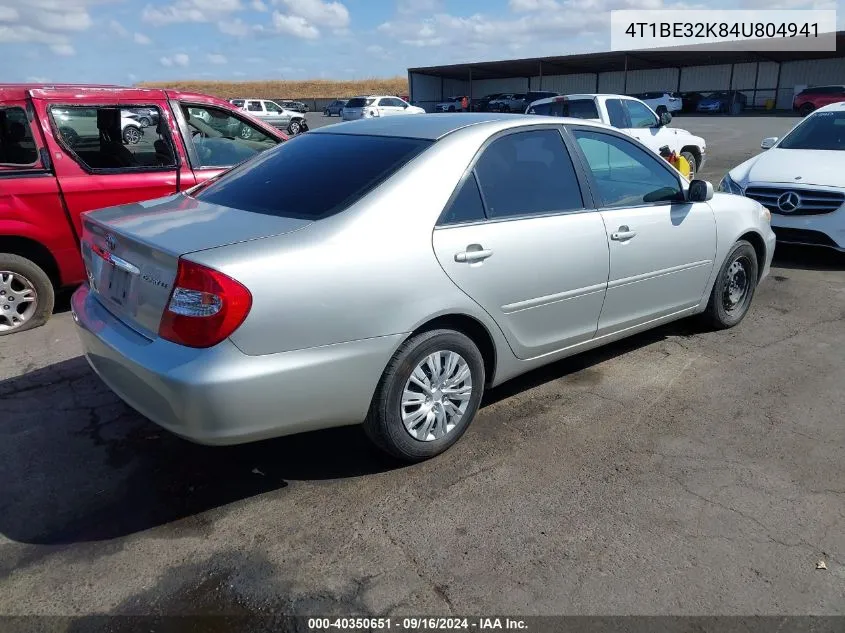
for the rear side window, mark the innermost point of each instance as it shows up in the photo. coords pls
(254, 106)
(114, 138)
(238, 102)
(289, 181)
(17, 147)
(542, 109)
(467, 205)
(617, 113)
(581, 109)
(528, 173)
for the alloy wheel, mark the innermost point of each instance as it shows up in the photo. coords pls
(18, 300)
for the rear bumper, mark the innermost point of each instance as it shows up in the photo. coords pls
(220, 395)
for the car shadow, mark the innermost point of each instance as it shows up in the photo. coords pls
(797, 257)
(79, 466)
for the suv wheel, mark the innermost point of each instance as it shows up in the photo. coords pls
(806, 109)
(294, 127)
(26, 294)
(132, 134)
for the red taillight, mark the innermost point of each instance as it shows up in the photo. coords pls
(205, 306)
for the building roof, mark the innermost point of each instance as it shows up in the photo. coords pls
(680, 56)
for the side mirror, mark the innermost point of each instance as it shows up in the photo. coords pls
(665, 119)
(405, 106)
(700, 191)
(768, 142)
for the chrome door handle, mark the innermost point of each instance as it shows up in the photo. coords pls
(470, 256)
(622, 234)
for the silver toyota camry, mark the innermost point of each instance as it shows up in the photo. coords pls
(439, 257)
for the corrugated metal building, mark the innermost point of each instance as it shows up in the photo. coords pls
(761, 76)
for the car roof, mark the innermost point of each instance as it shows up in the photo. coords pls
(89, 92)
(832, 107)
(435, 126)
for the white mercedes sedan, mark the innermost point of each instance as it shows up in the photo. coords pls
(801, 180)
(440, 256)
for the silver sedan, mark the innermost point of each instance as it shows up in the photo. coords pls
(441, 257)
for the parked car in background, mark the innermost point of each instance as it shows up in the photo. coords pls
(296, 106)
(520, 101)
(483, 104)
(801, 180)
(690, 100)
(631, 116)
(271, 112)
(661, 102)
(335, 107)
(452, 104)
(146, 117)
(724, 101)
(498, 224)
(65, 150)
(817, 97)
(377, 106)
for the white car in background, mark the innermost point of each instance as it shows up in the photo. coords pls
(801, 180)
(661, 102)
(372, 106)
(271, 112)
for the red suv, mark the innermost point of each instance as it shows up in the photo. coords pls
(66, 149)
(814, 98)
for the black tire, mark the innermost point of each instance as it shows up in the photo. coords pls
(384, 424)
(44, 293)
(693, 163)
(718, 314)
(661, 110)
(144, 121)
(806, 109)
(294, 127)
(132, 134)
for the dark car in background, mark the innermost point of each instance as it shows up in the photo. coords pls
(146, 117)
(335, 107)
(482, 104)
(296, 106)
(817, 97)
(724, 101)
(689, 100)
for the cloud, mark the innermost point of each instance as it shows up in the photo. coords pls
(34, 79)
(189, 11)
(9, 14)
(409, 7)
(140, 38)
(255, 60)
(236, 27)
(215, 58)
(294, 25)
(117, 28)
(316, 12)
(65, 50)
(258, 5)
(179, 59)
(375, 49)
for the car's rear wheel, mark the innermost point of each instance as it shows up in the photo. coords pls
(26, 294)
(427, 396)
(734, 289)
(661, 110)
(806, 109)
(144, 121)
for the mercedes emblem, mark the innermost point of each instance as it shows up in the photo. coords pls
(789, 201)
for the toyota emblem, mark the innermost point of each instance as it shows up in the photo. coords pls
(789, 202)
(111, 242)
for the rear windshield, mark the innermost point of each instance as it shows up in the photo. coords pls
(290, 180)
(359, 102)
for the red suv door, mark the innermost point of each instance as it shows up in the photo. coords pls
(104, 156)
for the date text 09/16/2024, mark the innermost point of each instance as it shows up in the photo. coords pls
(416, 624)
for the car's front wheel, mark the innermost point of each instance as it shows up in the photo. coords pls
(26, 294)
(132, 135)
(731, 296)
(806, 109)
(427, 396)
(294, 128)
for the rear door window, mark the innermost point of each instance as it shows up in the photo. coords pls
(112, 138)
(580, 109)
(359, 102)
(17, 145)
(289, 181)
(254, 106)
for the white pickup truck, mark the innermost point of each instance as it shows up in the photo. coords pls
(633, 117)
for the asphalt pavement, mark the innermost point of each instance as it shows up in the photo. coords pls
(680, 471)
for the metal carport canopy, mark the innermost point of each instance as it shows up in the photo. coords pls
(679, 57)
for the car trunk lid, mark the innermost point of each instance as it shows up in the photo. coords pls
(131, 252)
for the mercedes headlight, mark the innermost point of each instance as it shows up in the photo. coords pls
(727, 185)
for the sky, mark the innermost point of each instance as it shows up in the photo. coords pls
(127, 41)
